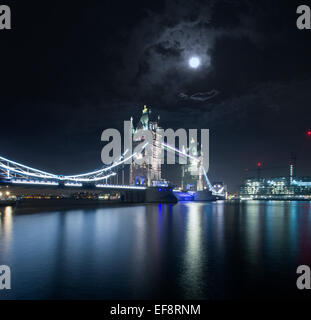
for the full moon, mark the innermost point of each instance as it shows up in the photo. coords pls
(194, 62)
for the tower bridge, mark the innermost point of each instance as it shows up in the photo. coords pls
(146, 184)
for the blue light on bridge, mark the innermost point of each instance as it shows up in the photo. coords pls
(17, 173)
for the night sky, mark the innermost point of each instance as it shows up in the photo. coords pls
(69, 71)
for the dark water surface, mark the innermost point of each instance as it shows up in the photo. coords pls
(188, 250)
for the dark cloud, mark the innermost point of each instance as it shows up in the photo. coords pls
(200, 96)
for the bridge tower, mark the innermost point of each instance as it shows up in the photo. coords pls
(147, 174)
(192, 173)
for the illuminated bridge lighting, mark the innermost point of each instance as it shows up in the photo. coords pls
(100, 170)
(17, 173)
(42, 173)
(9, 167)
(179, 151)
(22, 181)
(27, 173)
(70, 184)
(221, 190)
(90, 179)
(210, 187)
(119, 187)
(107, 168)
(208, 182)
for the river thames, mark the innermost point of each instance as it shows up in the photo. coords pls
(190, 250)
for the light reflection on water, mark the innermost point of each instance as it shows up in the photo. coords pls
(192, 276)
(188, 250)
(6, 221)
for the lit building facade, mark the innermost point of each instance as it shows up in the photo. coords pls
(290, 187)
(276, 188)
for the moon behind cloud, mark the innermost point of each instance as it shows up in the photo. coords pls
(194, 62)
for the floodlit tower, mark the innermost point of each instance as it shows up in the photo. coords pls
(192, 172)
(292, 168)
(146, 173)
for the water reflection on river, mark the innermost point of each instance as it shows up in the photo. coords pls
(188, 250)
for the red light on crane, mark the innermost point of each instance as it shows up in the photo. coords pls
(309, 133)
(258, 164)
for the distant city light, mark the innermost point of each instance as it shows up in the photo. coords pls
(258, 164)
(309, 133)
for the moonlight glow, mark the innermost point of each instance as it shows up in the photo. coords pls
(194, 62)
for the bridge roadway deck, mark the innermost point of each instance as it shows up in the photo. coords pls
(126, 195)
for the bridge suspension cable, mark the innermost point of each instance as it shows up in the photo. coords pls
(22, 171)
(8, 166)
(210, 187)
